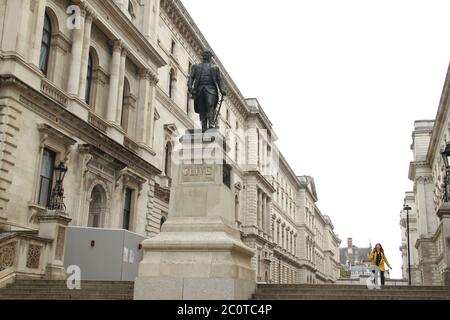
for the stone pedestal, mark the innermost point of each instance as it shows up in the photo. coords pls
(52, 225)
(199, 253)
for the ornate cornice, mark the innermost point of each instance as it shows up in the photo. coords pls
(9, 80)
(62, 118)
(162, 193)
(424, 179)
(440, 124)
(119, 26)
(262, 181)
(49, 131)
(149, 75)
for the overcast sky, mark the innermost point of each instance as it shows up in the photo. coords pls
(342, 82)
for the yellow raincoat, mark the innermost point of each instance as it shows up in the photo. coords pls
(373, 258)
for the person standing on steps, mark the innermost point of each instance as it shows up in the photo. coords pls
(378, 259)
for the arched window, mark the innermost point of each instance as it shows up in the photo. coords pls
(172, 81)
(45, 44)
(168, 159)
(131, 11)
(97, 207)
(89, 79)
(163, 219)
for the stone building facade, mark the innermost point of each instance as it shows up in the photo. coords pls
(101, 86)
(430, 212)
(413, 237)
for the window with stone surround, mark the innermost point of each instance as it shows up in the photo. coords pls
(124, 117)
(93, 79)
(89, 79)
(172, 83)
(173, 45)
(168, 159)
(46, 176)
(97, 206)
(163, 220)
(54, 147)
(128, 205)
(45, 44)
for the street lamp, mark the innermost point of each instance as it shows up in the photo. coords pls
(57, 197)
(407, 208)
(445, 156)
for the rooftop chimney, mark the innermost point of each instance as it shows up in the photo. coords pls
(349, 242)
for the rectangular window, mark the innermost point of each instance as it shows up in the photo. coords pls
(46, 176)
(227, 175)
(127, 209)
(172, 47)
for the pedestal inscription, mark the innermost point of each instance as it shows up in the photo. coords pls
(197, 173)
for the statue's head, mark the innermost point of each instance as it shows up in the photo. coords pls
(207, 55)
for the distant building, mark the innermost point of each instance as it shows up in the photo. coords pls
(354, 260)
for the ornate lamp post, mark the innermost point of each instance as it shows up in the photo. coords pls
(57, 196)
(407, 208)
(445, 156)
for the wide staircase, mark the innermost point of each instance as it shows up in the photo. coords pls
(349, 292)
(57, 290)
(122, 290)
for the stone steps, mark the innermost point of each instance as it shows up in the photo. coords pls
(357, 292)
(57, 290)
(350, 292)
(342, 297)
(346, 287)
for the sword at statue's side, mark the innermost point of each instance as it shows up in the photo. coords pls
(216, 116)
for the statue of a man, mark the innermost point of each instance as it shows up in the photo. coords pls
(204, 84)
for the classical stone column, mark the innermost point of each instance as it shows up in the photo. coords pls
(151, 115)
(22, 45)
(75, 62)
(259, 209)
(263, 212)
(85, 54)
(37, 34)
(142, 106)
(123, 60)
(269, 214)
(114, 81)
(199, 254)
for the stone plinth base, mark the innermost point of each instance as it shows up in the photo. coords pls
(151, 288)
(199, 254)
(195, 259)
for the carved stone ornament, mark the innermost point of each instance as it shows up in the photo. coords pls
(7, 255)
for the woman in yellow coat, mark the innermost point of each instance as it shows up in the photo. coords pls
(378, 259)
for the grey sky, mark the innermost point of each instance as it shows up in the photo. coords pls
(342, 82)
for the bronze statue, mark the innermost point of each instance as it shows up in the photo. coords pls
(204, 85)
